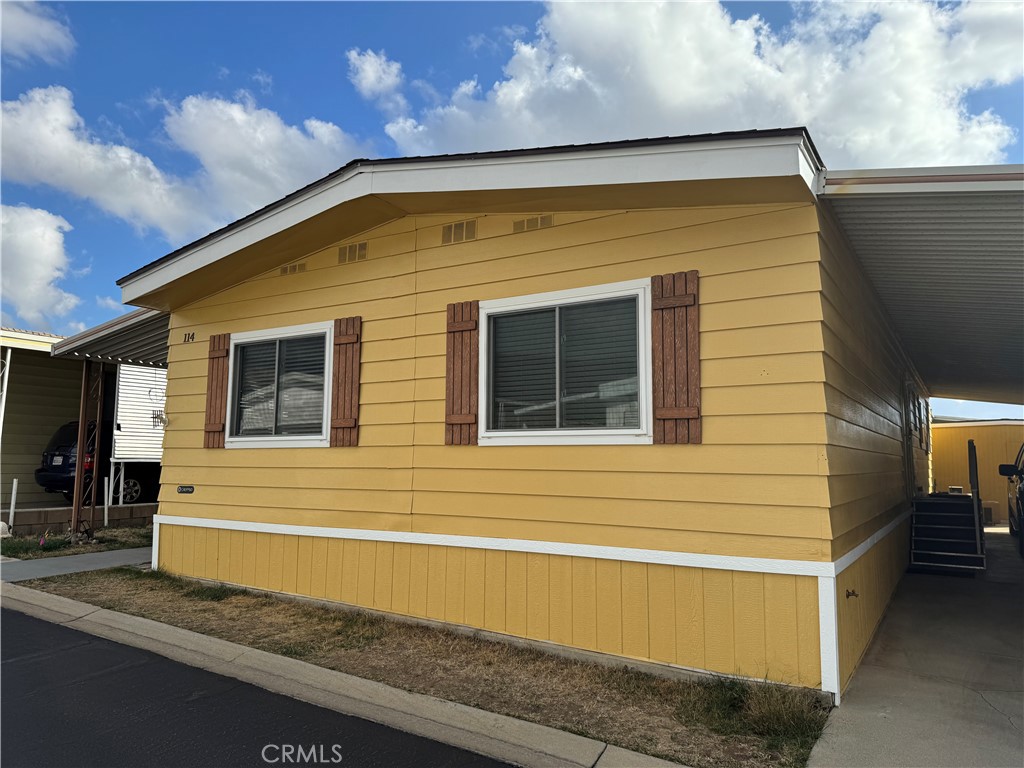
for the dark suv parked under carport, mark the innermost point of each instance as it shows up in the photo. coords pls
(56, 474)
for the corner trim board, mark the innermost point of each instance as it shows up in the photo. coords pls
(828, 628)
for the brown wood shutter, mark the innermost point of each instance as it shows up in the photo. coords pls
(216, 391)
(348, 333)
(461, 379)
(675, 353)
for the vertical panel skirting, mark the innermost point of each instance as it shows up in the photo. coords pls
(829, 628)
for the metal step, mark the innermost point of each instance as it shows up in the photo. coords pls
(960, 546)
(948, 559)
(933, 518)
(958, 533)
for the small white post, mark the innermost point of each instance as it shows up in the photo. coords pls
(106, 502)
(14, 499)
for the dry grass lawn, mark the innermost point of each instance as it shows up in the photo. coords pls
(60, 545)
(716, 722)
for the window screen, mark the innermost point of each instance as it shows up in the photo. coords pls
(565, 367)
(279, 387)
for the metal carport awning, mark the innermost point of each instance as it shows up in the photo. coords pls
(137, 338)
(944, 248)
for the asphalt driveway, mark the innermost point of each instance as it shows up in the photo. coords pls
(72, 699)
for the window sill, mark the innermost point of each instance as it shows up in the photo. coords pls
(602, 438)
(277, 442)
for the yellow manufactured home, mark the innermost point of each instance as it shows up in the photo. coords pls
(637, 398)
(997, 442)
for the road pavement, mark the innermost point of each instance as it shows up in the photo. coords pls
(71, 699)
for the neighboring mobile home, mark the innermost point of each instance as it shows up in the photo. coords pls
(38, 394)
(638, 398)
(997, 442)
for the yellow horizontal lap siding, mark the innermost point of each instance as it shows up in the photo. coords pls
(866, 372)
(651, 612)
(995, 443)
(754, 487)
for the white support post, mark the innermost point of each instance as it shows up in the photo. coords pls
(156, 545)
(14, 499)
(106, 501)
(4, 378)
(829, 636)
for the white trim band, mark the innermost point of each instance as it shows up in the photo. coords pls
(628, 554)
(816, 568)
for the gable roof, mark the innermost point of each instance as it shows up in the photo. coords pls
(724, 168)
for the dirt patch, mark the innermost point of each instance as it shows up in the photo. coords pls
(716, 722)
(61, 545)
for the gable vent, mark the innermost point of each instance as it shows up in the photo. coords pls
(534, 222)
(458, 232)
(353, 252)
(292, 269)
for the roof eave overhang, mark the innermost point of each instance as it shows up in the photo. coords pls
(368, 194)
(944, 249)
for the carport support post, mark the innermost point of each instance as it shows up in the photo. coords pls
(14, 499)
(76, 506)
(98, 450)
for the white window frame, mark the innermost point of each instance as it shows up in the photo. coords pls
(282, 441)
(643, 435)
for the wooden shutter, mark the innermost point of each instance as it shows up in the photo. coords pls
(345, 382)
(216, 391)
(461, 379)
(675, 353)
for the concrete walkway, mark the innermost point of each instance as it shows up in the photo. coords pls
(23, 570)
(485, 733)
(941, 684)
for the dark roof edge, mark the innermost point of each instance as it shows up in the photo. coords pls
(352, 164)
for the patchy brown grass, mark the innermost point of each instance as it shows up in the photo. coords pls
(60, 544)
(710, 722)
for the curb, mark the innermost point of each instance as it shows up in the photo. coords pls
(497, 736)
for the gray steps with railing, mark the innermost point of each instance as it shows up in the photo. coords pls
(946, 534)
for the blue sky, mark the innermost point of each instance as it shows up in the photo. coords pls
(132, 128)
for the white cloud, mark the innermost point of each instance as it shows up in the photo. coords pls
(248, 158)
(109, 302)
(33, 31)
(46, 142)
(264, 80)
(76, 326)
(33, 263)
(379, 78)
(876, 83)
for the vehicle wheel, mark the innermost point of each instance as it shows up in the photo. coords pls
(132, 491)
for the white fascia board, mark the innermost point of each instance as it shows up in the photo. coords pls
(314, 202)
(702, 161)
(993, 423)
(31, 341)
(780, 156)
(915, 181)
